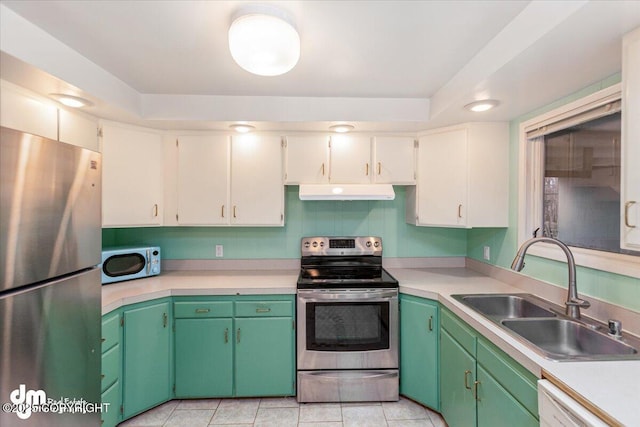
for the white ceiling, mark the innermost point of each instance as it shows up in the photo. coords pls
(394, 65)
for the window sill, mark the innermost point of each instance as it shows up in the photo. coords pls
(626, 265)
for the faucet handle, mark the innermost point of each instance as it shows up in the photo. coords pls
(578, 303)
(615, 328)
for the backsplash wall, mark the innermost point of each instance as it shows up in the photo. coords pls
(613, 288)
(310, 218)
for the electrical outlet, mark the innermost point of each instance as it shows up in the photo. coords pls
(487, 253)
(219, 251)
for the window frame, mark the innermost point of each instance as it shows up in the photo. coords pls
(530, 183)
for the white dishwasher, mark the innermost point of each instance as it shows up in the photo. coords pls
(556, 408)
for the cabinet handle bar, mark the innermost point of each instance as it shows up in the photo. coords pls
(626, 213)
(466, 380)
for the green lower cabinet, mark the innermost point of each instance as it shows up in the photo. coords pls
(457, 373)
(497, 407)
(203, 358)
(110, 415)
(264, 359)
(419, 353)
(480, 385)
(147, 356)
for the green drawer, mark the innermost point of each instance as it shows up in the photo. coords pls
(110, 415)
(465, 336)
(191, 310)
(264, 308)
(110, 331)
(110, 368)
(521, 383)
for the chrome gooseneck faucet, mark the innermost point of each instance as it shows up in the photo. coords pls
(573, 303)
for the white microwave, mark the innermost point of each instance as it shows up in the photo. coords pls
(127, 263)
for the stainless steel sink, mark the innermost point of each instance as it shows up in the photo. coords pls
(567, 339)
(546, 328)
(506, 306)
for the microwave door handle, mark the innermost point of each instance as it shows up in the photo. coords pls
(148, 261)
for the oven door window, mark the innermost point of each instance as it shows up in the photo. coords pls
(353, 326)
(123, 265)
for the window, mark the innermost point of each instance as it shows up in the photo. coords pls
(570, 182)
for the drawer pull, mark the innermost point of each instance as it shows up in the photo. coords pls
(202, 310)
(263, 310)
(466, 379)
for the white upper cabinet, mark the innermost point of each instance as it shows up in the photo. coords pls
(132, 176)
(78, 129)
(350, 159)
(20, 111)
(307, 159)
(463, 177)
(257, 187)
(394, 160)
(203, 180)
(630, 200)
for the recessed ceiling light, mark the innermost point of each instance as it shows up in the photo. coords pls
(70, 100)
(263, 40)
(242, 128)
(342, 128)
(484, 105)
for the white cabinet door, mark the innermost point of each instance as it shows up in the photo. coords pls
(463, 177)
(394, 160)
(132, 176)
(307, 160)
(22, 112)
(630, 200)
(257, 188)
(203, 180)
(350, 158)
(442, 179)
(78, 129)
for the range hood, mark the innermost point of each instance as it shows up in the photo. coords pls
(347, 192)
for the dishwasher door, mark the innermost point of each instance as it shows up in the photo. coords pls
(558, 409)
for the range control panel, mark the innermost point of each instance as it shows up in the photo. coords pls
(341, 246)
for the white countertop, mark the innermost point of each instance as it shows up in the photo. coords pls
(612, 387)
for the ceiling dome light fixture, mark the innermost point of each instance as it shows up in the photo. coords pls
(70, 100)
(480, 106)
(263, 40)
(342, 128)
(242, 127)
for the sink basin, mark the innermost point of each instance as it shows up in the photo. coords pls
(506, 306)
(566, 339)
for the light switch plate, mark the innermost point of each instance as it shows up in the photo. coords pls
(219, 251)
(487, 253)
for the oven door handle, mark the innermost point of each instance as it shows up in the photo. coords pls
(357, 377)
(341, 295)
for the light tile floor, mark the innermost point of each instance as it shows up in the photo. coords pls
(284, 412)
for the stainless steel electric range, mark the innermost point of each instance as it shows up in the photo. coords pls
(347, 322)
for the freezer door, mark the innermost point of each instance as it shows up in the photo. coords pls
(50, 207)
(50, 341)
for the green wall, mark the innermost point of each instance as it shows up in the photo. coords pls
(310, 218)
(614, 288)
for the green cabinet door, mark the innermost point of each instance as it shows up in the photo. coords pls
(147, 353)
(497, 407)
(457, 376)
(419, 350)
(203, 357)
(264, 356)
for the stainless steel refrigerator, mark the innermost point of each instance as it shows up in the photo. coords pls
(50, 246)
